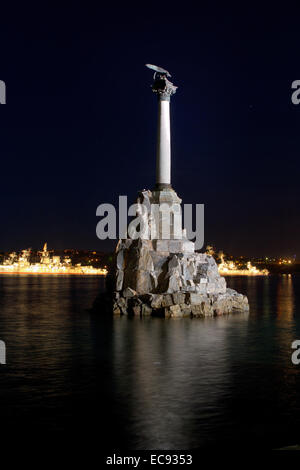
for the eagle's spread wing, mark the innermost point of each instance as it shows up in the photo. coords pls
(158, 69)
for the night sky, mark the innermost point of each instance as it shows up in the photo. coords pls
(79, 127)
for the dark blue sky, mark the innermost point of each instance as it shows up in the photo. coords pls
(79, 127)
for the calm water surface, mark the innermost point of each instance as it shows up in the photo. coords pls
(152, 383)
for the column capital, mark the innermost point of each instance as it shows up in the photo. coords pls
(163, 88)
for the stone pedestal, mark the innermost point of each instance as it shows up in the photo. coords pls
(165, 277)
(172, 285)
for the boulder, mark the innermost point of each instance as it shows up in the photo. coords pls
(178, 298)
(136, 310)
(128, 292)
(197, 310)
(186, 310)
(146, 310)
(167, 300)
(120, 259)
(156, 301)
(119, 279)
(194, 299)
(175, 311)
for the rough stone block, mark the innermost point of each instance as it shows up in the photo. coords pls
(175, 311)
(165, 195)
(121, 302)
(207, 309)
(174, 283)
(221, 306)
(173, 263)
(161, 245)
(116, 310)
(188, 271)
(221, 286)
(143, 282)
(194, 298)
(211, 287)
(190, 289)
(178, 298)
(156, 300)
(197, 310)
(153, 280)
(120, 260)
(119, 279)
(136, 310)
(167, 312)
(128, 292)
(159, 260)
(167, 300)
(145, 261)
(201, 258)
(146, 310)
(201, 288)
(175, 246)
(186, 310)
(187, 246)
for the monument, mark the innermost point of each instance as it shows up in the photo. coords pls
(158, 272)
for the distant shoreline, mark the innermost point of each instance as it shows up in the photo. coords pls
(49, 274)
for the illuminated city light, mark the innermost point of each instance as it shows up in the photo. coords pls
(15, 264)
(231, 269)
(285, 261)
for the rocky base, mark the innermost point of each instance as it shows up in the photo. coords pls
(165, 276)
(176, 305)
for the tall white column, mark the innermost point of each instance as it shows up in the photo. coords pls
(164, 89)
(163, 154)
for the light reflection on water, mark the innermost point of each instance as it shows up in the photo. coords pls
(151, 383)
(178, 374)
